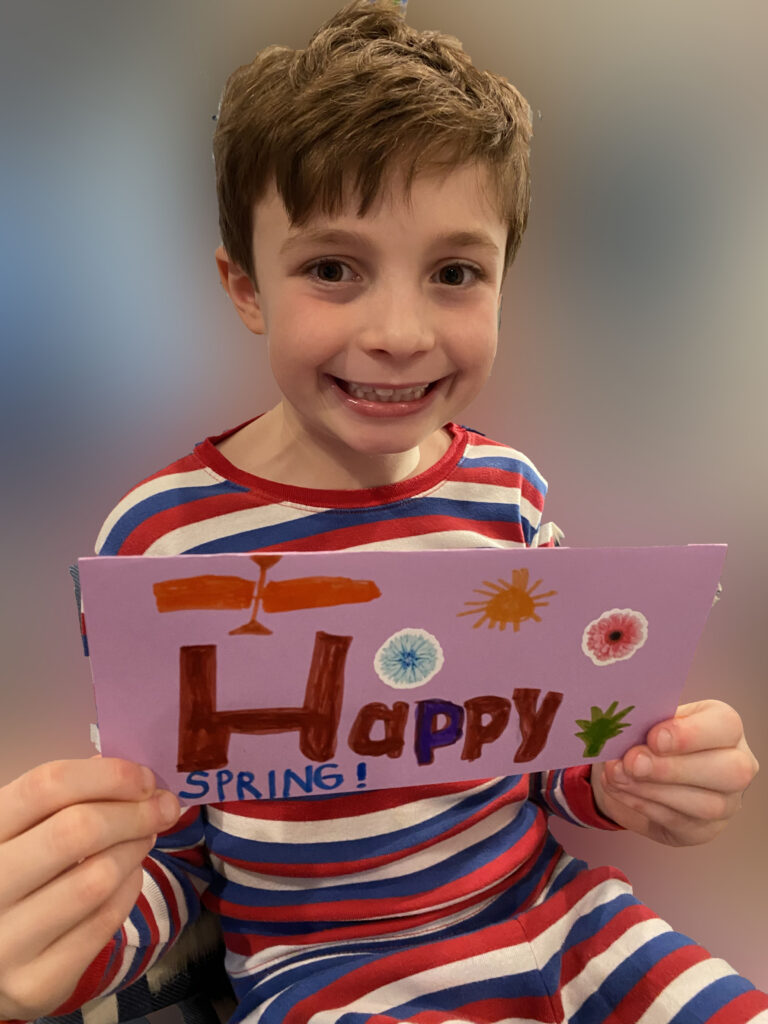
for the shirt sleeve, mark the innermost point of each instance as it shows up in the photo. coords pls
(548, 535)
(567, 793)
(176, 873)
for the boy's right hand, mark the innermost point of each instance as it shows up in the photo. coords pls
(73, 835)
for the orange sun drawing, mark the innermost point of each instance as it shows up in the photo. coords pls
(505, 602)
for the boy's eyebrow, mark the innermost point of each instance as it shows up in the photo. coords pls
(469, 239)
(335, 236)
(325, 236)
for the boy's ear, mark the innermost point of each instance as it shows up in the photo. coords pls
(242, 291)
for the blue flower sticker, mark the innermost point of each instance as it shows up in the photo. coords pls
(409, 658)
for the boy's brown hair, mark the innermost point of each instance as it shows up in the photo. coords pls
(368, 93)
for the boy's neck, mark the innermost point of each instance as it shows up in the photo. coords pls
(269, 448)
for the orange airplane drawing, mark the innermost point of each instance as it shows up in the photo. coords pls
(232, 592)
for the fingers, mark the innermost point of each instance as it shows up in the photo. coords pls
(702, 746)
(31, 925)
(76, 833)
(28, 993)
(51, 787)
(664, 823)
(686, 782)
(690, 801)
(702, 725)
(723, 770)
(73, 835)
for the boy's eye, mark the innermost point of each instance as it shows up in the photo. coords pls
(457, 273)
(330, 271)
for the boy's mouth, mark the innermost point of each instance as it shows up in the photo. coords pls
(412, 393)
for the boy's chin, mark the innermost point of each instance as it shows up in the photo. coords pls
(382, 461)
(335, 452)
(386, 442)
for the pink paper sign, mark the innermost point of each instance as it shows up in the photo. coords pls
(239, 677)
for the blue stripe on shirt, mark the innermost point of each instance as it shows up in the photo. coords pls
(714, 997)
(508, 465)
(487, 850)
(327, 521)
(623, 978)
(137, 514)
(341, 851)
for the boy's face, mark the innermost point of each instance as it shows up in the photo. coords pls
(381, 328)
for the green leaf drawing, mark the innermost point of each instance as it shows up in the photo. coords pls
(601, 727)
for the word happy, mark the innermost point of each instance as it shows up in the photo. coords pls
(379, 729)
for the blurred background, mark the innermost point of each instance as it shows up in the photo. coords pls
(633, 359)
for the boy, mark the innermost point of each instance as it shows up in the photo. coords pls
(373, 190)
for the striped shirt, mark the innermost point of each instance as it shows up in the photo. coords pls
(433, 903)
(479, 493)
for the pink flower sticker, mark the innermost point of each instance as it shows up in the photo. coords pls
(615, 636)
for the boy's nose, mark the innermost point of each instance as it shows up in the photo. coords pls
(398, 326)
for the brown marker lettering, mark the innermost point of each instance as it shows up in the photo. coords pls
(534, 724)
(478, 734)
(393, 718)
(204, 731)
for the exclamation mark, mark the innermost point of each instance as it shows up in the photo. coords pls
(362, 771)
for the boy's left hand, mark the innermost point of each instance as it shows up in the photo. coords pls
(684, 784)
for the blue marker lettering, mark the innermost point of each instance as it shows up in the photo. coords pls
(195, 779)
(304, 784)
(244, 780)
(326, 781)
(223, 777)
(428, 736)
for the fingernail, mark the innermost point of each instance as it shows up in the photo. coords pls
(619, 775)
(168, 806)
(664, 741)
(148, 780)
(641, 766)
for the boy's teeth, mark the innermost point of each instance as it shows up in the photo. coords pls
(385, 394)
